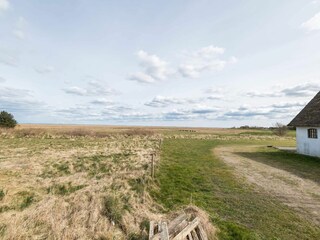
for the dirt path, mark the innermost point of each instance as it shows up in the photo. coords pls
(301, 194)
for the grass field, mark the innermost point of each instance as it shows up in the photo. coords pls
(190, 173)
(93, 182)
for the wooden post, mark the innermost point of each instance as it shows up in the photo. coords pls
(159, 227)
(152, 165)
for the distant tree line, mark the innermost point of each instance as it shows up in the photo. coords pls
(278, 129)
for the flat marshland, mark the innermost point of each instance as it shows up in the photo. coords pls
(75, 182)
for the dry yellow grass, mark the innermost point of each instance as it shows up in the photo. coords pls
(58, 185)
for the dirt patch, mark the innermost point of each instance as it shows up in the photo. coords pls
(296, 192)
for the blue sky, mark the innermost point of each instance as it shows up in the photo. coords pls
(169, 63)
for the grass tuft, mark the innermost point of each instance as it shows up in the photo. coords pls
(113, 209)
(25, 199)
(64, 189)
(2, 194)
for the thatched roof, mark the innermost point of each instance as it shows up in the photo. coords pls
(309, 116)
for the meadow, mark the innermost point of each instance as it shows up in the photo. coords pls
(94, 182)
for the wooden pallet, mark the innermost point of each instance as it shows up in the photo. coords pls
(178, 229)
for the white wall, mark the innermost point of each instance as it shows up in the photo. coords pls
(305, 145)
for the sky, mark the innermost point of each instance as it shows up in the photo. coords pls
(197, 63)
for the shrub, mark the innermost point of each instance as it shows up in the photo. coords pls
(7, 120)
(280, 129)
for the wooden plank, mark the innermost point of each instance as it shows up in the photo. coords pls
(151, 229)
(202, 234)
(175, 222)
(189, 236)
(164, 235)
(178, 228)
(156, 237)
(159, 227)
(194, 235)
(184, 233)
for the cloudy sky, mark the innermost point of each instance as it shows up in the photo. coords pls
(171, 62)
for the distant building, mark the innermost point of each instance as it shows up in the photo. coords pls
(307, 123)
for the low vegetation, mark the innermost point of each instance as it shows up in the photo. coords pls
(237, 209)
(7, 120)
(67, 182)
(50, 177)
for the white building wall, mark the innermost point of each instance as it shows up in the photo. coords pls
(305, 145)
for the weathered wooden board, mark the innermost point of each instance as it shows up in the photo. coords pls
(184, 233)
(178, 229)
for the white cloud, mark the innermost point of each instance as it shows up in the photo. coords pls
(18, 34)
(154, 68)
(4, 5)
(274, 111)
(205, 59)
(313, 23)
(2, 79)
(210, 51)
(141, 77)
(94, 88)
(21, 102)
(44, 70)
(301, 90)
(9, 57)
(19, 30)
(102, 101)
(161, 101)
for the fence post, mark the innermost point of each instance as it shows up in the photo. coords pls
(152, 165)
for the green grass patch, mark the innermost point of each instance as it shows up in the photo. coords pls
(64, 189)
(24, 199)
(94, 165)
(190, 173)
(3, 229)
(2, 194)
(113, 209)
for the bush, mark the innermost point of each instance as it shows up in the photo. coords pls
(7, 120)
(280, 129)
